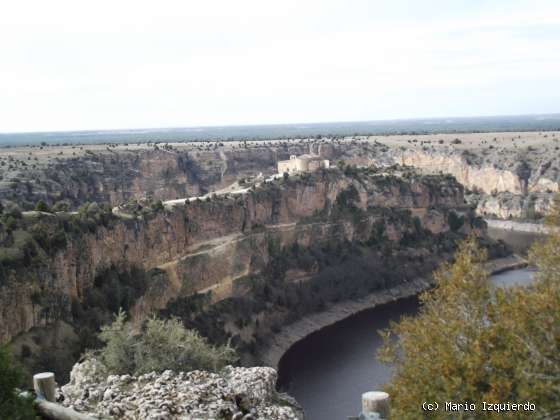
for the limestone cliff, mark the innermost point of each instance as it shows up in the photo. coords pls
(108, 176)
(213, 245)
(530, 207)
(115, 175)
(485, 178)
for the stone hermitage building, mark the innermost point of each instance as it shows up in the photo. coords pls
(302, 163)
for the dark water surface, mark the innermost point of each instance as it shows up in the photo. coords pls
(328, 371)
(521, 277)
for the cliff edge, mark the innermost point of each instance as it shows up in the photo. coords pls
(234, 393)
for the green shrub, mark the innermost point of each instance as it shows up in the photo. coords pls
(455, 221)
(161, 345)
(42, 206)
(11, 257)
(346, 198)
(10, 223)
(61, 206)
(12, 406)
(158, 206)
(12, 210)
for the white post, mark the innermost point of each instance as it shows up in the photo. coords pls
(45, 385)
(376, 402)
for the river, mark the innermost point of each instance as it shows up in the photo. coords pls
(329, 370)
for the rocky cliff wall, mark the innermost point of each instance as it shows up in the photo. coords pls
(506, 190)
(485, 178)
(530, 207)
(108, 176)
(115, 176)
(214, 244)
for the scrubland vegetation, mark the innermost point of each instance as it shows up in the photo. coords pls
(12, 406)
(158, 346)
(30, 238)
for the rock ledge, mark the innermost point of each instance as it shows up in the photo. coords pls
(234, 393)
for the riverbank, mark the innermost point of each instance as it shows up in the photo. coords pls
(500, 265)
(327, 380)
(291, 334)
(518, 226)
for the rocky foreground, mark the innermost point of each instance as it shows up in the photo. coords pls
(234, 393)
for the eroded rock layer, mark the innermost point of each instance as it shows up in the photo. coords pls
(211, 245)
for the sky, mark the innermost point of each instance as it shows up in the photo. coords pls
(108, 64)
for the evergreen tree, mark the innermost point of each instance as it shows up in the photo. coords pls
(472, 342)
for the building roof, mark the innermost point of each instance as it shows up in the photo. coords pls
(309, 156)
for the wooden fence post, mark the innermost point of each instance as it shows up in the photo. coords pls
(375, 402)
(45, 385)
(45, 388)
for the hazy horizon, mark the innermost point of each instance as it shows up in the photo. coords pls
(450, 118)
(418, 126)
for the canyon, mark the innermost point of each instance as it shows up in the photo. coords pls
(511, 175)
(117, 232)
(194, 244)
(220, 246)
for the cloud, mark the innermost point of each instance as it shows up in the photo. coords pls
(106, 64)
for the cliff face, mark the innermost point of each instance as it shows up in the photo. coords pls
(510, 206)
(213, 245)
(485, 178)
(106, 176)
(116, 175)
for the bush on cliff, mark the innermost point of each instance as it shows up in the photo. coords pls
(455, 221)
(160, 345)
(29, 241)
(472, 343)
(12, 406)
(42, 206)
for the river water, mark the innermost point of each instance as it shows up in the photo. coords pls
(329, 370)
